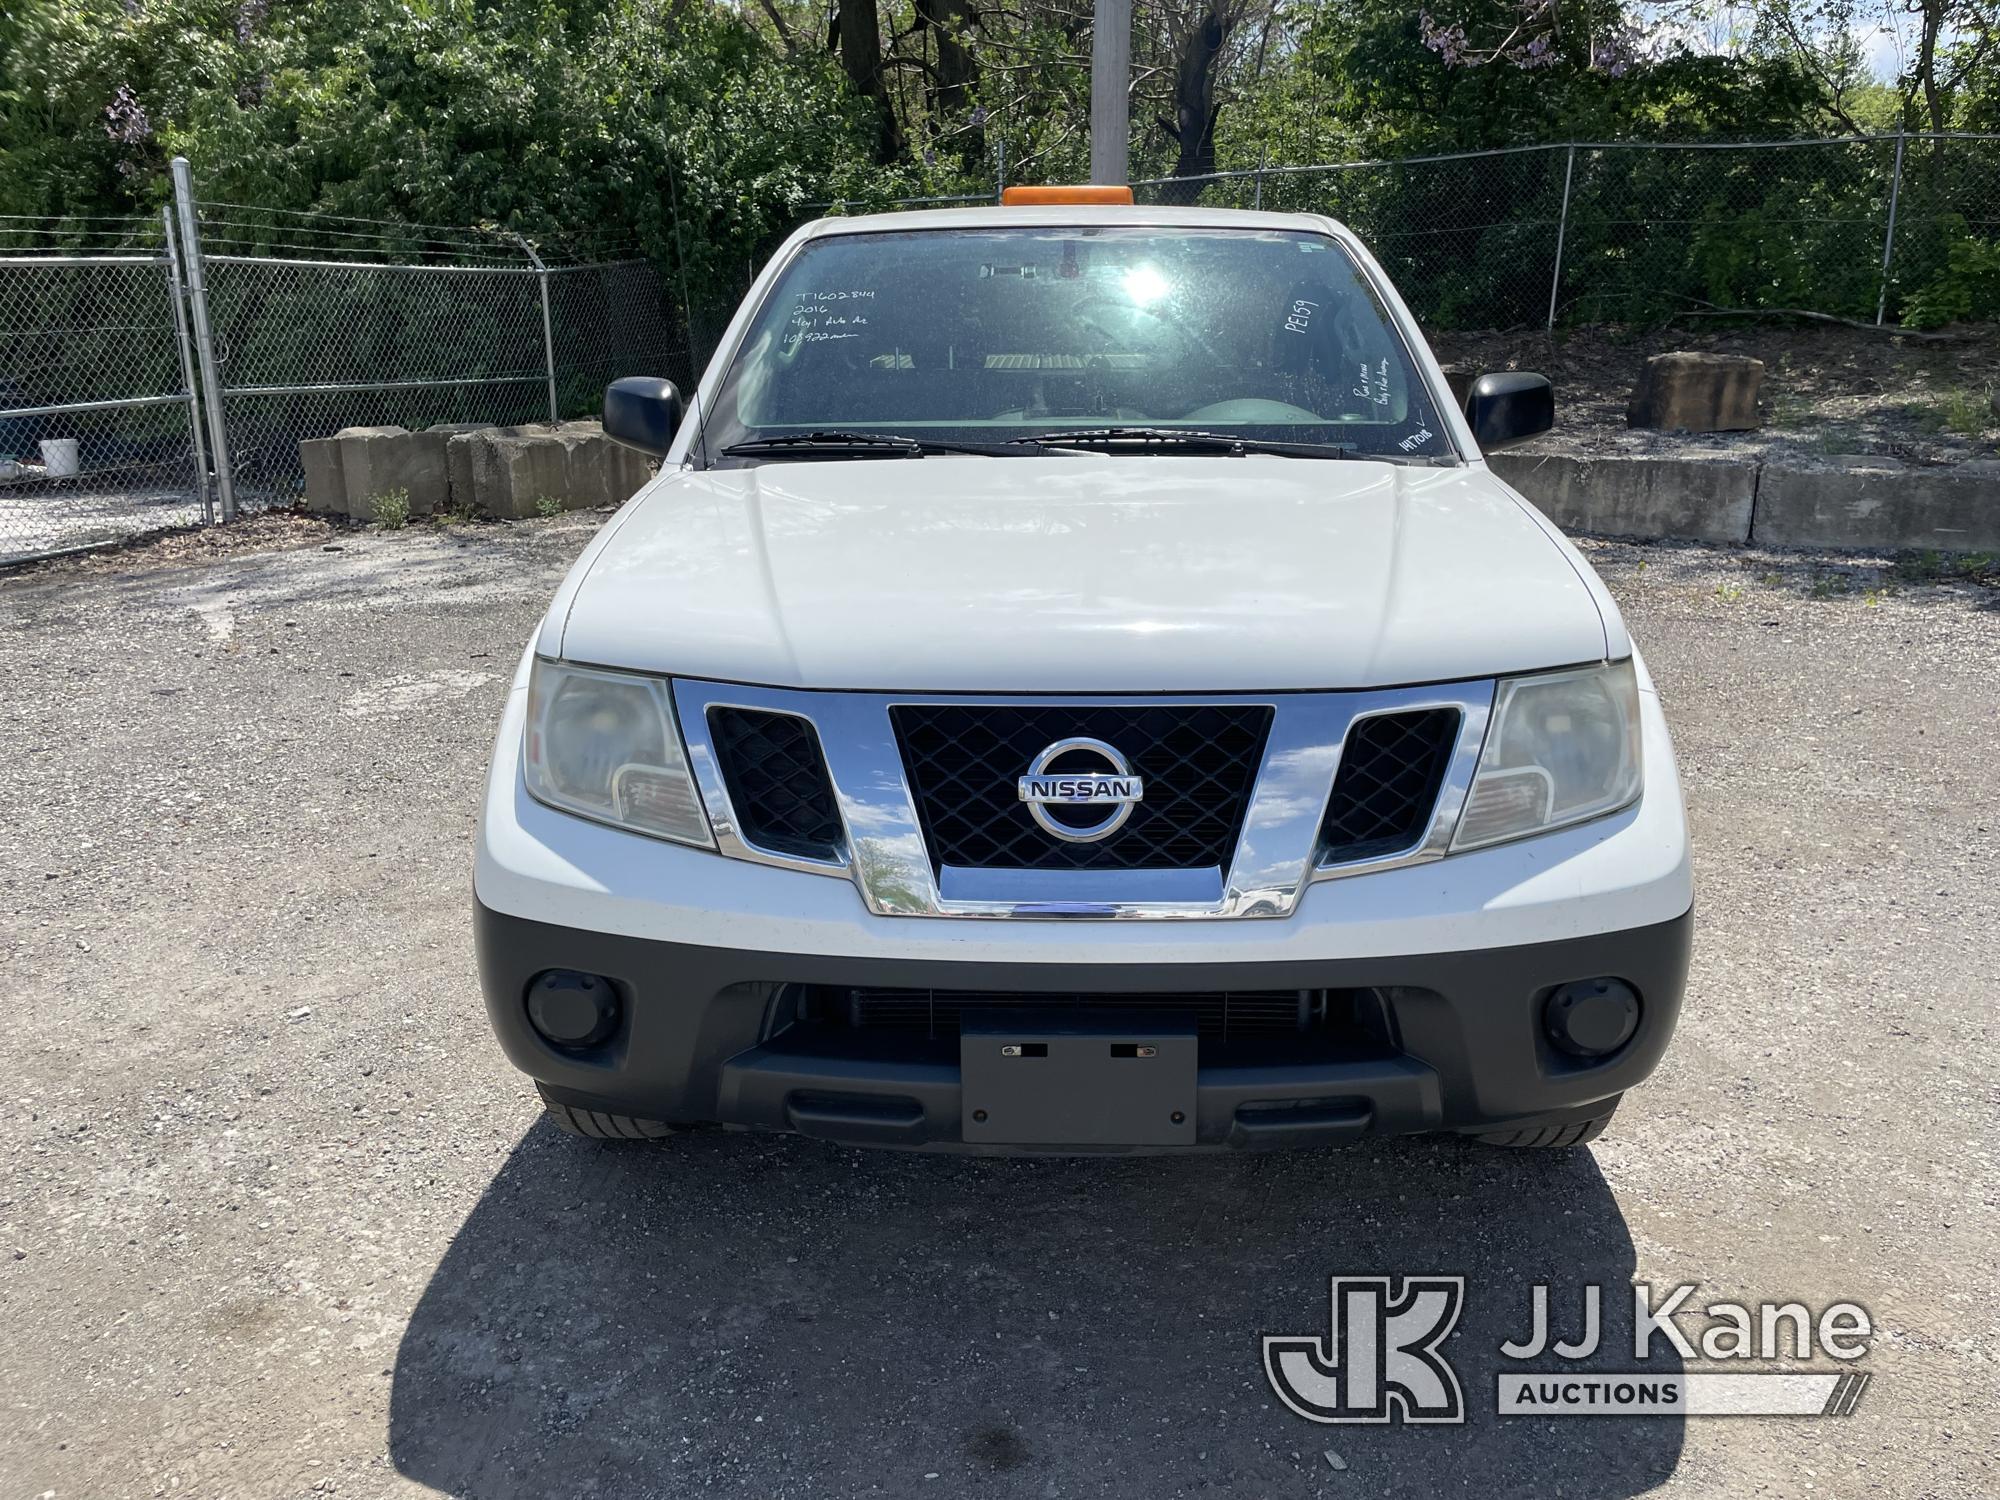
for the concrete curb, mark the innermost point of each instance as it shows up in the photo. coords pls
(1851, 503)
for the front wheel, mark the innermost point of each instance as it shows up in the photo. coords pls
(598, 1125)
(1556, 1131)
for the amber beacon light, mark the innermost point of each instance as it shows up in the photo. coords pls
(1034, 197)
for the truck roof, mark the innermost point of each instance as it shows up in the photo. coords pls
(1068, 216)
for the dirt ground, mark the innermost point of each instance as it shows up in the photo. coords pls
(277, 1220)
(1827, 390)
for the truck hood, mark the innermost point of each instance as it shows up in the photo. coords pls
(1089, 573)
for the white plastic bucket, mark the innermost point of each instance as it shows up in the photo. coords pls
(59, 457)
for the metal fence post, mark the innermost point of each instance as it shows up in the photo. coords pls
(174, 295)
(1562, 231)
(204, 340)
(1000, 171)
(1889, 239)
(548, 328)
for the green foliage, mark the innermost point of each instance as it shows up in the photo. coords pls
(1966, 412)
(581, 125)
(1967, 285)
(391, 509)
(695, 133)
(1361, 83)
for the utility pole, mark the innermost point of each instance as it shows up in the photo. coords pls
(1110, 92)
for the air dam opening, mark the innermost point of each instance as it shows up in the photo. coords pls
(1282, 1023)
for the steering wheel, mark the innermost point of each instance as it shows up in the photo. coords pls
(1252, 409)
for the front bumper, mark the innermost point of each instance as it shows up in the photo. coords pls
(1456, 958)
(708, 1034)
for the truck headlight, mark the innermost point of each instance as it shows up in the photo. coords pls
(604, 745)
(1563, 747)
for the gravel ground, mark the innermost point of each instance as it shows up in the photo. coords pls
(36, 520)
(277, 1220)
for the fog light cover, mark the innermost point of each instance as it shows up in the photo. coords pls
(573, 1010)
(1592, 1017)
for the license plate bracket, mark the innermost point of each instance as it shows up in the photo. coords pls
(1088, 1080)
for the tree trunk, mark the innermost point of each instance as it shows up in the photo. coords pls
(949, 20)
(858, 31)
(1195, 108)
(1933, 21)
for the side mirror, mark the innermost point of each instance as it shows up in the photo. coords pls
(644, 413)
(1509, 408)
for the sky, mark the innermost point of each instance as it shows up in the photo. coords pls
(1886, 49)
(1882, 36)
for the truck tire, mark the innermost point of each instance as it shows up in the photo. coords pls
(1554, 1134)
(599, 1126)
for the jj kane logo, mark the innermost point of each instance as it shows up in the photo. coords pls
(1382, 1358)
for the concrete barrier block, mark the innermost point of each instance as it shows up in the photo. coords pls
(616, 472)
(1697, 393)
(371, 464)
(1700, 500)
(588, 468)
(512, 472)
(469, 464)
(1869, 502)
(526, 473)
(602, 471)
(326, 486)
(427, 464)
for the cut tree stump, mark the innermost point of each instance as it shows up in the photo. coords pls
(1697, 393)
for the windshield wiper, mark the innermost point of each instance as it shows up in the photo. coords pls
(1187, 439)
(838, 444)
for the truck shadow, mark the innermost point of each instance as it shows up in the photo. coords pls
(778, 1316)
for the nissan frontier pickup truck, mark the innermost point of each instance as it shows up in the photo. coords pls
(1075, 685)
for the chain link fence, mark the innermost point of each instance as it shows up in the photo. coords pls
(1867, 227)
(320, 323)
(612, 319)
(159, 373)
(305, 348)
(1860, 227)
(98, 430)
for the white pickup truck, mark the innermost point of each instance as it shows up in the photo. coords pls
(1075, 685)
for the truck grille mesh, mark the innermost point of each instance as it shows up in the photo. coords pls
(1390, 771)
(1219, 1015)
(1198, 761)
(777, 782)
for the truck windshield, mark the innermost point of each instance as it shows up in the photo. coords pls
(982, 338)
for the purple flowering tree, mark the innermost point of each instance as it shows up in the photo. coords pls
(1531, 34)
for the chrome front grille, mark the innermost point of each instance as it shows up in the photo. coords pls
(1198, 763)
(915, 798)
